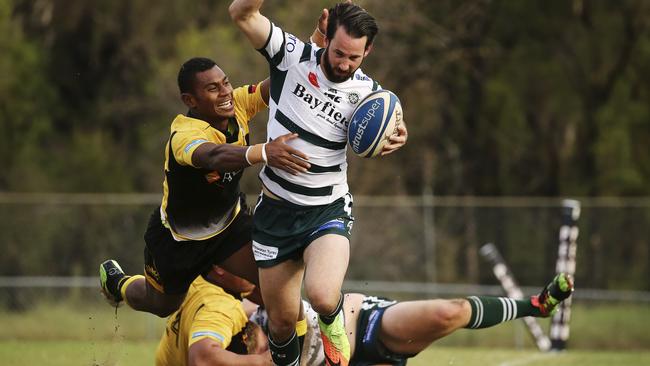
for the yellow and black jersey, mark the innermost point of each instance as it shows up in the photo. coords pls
(198, 203)
(207, 312)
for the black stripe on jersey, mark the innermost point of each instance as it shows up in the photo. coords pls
(277, 83)
(306, 135)
(277, 58)
(319, 168)
(375, 85)
(306, 53)
(318, 55)
(323, 169)
(232, 131)
(268, 39)
(295, 188)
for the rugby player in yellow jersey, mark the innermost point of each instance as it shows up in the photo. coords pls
(203, 219)
(211, 326)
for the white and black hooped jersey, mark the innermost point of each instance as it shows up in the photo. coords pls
(305, 102)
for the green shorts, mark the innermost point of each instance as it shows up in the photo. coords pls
(282, 230)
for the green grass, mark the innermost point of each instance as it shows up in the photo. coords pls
(502, 357)
(93, 334)
(125, 353)
(77, 352)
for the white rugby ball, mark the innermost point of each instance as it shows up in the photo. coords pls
(373, 121)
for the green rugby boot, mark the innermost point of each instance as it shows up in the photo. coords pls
(335, 342)
(110, 277)
(553, 294)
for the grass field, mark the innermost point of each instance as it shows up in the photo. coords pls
(83, 334)
(122, 353)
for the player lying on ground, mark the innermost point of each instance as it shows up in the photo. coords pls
(211, 327)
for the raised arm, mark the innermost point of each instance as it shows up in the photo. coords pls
(246, 14)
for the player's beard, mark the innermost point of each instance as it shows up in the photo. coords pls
(332, 75)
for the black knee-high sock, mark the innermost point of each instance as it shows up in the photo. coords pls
(287, 353)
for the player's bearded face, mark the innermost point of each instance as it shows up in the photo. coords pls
(343, 56)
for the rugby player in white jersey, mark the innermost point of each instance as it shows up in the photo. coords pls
(302, 223)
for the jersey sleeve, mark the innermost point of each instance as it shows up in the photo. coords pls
(184, 143)
(248, 100)
(218, 324)
(283, 50)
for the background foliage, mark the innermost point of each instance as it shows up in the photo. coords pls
(502, 98)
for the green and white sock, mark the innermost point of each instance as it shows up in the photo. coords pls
(488, 311)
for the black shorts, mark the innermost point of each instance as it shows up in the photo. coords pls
(171, 266)
(369, 350)
(282, 230)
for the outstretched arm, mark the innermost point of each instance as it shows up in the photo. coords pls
(246, 14)
(227, 158)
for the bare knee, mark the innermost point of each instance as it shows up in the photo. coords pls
(282, 325)
(322, 301)
(450, 314)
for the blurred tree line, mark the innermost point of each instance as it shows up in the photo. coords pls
(501, 97)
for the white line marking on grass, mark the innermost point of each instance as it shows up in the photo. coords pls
(527, 360)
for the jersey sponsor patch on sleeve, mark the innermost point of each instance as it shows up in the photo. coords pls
(208, 333)
(194, 143)
(252, 88)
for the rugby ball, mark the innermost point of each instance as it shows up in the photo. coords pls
(373, 121)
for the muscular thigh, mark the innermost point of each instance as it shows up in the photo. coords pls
(280, 286)
(326, 261)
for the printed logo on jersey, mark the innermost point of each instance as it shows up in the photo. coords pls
(332, 95)
(353, 98)
(326, 107)
(152, 273)
(291, 42)
(313, 79)
(252, 88)
(214, 177)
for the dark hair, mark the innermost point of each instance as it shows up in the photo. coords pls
(356, 21)
(189, 70)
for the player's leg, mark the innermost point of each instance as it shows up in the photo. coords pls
(234, 251)
(242, 263)
(136, 291)
(326, 261)
(170, 268)
(280, 286)
(489, 311)
(409, 327)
